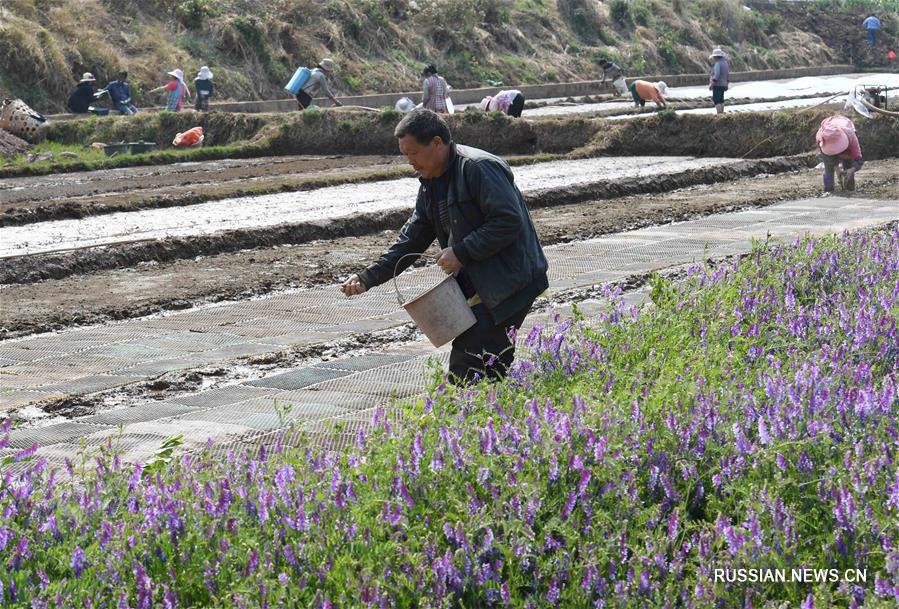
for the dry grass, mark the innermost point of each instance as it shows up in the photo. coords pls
(380, 45)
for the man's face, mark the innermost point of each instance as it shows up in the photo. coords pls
(428, 160)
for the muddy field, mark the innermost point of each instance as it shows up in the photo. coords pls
(95, 246)
(57, 249)
(148, 287)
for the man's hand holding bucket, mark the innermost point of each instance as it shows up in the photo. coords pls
(448, 262)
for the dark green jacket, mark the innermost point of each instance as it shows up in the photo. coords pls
(491, 233)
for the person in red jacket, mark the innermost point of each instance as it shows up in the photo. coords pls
(839, 147)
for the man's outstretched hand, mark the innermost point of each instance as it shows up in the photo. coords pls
(448, 262)
(353, 286)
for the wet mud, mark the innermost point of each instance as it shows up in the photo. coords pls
(31, 268)
(150, 287)
(37, 197)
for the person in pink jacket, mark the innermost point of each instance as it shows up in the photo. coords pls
(510, 102)
(839, 145)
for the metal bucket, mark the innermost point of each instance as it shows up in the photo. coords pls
(441, 313)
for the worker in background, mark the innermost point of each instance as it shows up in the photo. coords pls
(613, 71)
(510, 102)
(434, 90)
(840, 151)
(83, 95)
(718, 79)
(643, 91)
(317, 85)
(120, 94)
(205, 89)
(871, 24)
(177, 90)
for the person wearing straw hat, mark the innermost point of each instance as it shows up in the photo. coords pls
(177, 90)
(82, 96)
(316, 85)
(840, 151)
(469, 203)
(718, 79)
(643, 91)
(205, 89)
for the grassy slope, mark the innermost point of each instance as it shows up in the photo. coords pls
(253, 46)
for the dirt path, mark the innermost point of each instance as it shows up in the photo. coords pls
(150, 287)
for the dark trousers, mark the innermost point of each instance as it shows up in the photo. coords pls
(516, 106)
(304, 100)
(485, 349)
(636, 96)
(830, 166)
(718, 95)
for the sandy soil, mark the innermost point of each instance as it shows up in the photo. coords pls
(150, 287)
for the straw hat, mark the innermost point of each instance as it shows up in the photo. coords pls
(204, 74)
(177, 73)
(87, 77)
(327, 64)
(485, 103)
(832, 140)
(662, 88)
(716, 53)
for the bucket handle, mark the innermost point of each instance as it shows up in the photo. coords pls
(396, 287)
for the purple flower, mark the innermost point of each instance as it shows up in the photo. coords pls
(77, 563)
(25, 454)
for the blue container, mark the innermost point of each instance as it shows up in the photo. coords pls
(298, 79)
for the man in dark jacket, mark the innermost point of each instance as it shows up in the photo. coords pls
(120, 94)
(468, 201)
(83, 95)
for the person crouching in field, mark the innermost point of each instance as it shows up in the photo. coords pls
(317, 85)
(510, 102)
(643, 91)
(839, 146)
(613, 70)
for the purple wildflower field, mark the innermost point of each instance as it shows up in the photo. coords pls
(746, 420)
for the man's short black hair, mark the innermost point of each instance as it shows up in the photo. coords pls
(603, 62)
(123, 72)
(424, 125)
(429, 69)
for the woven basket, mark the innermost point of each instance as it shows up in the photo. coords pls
(20, 120)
